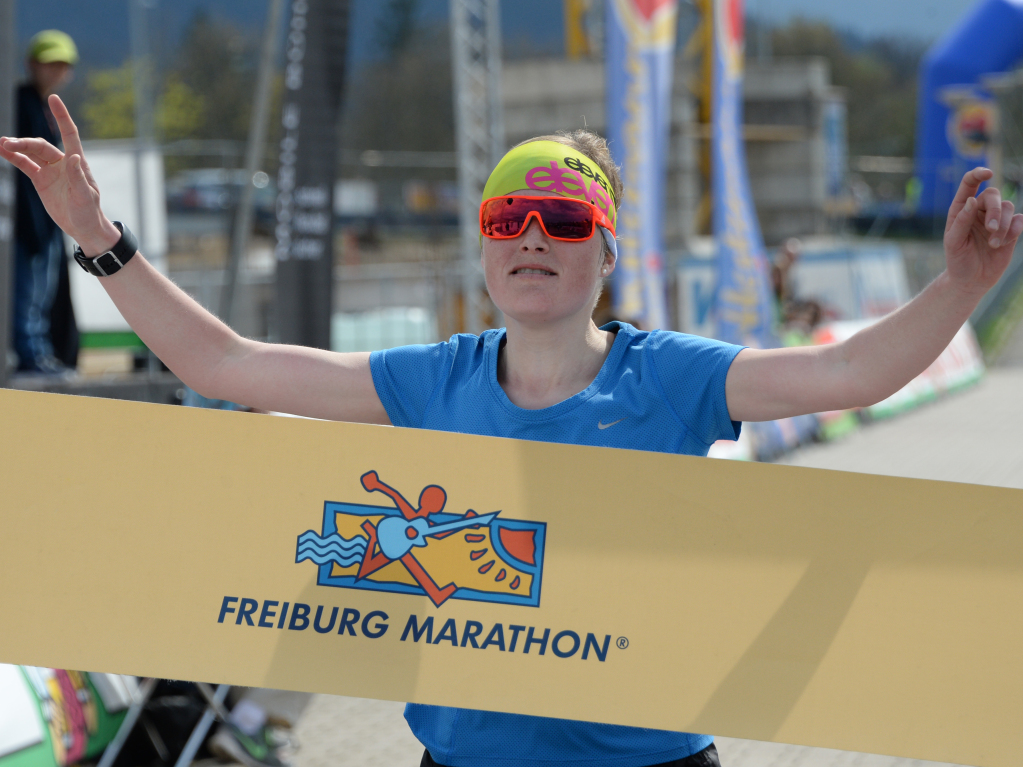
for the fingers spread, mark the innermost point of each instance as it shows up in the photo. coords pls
(18, 160)
(958, 231)
(68, 129)
(967, 188)
(87, 171)
(1015, 228)
(972, 180)
(1005, 221)
(38, 150)
(991, 201)
(979, 175)
(76, 175)
(971, 183)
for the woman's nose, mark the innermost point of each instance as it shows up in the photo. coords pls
(533, 239)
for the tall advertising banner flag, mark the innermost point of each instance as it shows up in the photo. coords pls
(743, 298)
(639, 61)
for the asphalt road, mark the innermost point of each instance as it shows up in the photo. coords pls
(973, 436)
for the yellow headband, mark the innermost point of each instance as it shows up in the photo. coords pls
(549, 166)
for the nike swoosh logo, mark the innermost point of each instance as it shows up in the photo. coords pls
(609, 425)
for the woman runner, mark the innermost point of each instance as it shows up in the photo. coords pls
(547, 244)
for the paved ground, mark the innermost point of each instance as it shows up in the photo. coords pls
(337, 732)
(974, 436)
(1012, 354)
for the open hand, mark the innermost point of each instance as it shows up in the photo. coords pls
(980, 234)
(64, 182)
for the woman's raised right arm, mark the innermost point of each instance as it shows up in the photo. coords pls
(204, 352)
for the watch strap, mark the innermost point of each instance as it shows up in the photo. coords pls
(114, 259)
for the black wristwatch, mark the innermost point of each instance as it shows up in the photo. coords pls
(110, 262)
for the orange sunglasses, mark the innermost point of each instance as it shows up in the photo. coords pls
(560, 218)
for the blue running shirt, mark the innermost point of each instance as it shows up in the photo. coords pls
(658, 391)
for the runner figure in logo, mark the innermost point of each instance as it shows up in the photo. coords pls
(414, 549)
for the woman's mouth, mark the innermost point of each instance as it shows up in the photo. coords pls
(533, 270)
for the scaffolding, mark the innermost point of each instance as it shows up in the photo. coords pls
(479, 125)
(1005, 152)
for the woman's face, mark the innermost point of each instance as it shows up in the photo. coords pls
(48, 78)
(535, 279)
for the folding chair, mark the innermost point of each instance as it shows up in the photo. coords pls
(215, 711)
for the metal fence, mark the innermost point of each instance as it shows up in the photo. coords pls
(375, 305)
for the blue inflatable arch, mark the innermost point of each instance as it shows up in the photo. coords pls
(951, 122)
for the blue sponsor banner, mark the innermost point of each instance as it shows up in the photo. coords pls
(640, 44)
(742, 304)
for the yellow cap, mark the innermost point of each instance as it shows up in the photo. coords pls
(52, 45)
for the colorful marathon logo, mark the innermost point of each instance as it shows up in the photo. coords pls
(970, 128)
(648, 24)
(409, 550)
(730, 23)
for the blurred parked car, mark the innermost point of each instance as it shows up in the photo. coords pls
(216, 189)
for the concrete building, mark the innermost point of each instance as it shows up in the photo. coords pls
(795, 137)
(795, 146)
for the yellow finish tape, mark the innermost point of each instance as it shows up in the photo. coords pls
(777, 603)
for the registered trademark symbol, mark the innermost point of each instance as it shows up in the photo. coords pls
(622, 643)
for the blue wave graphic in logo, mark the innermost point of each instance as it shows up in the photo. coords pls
(330, 548)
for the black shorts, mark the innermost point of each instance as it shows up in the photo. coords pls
(706, 758)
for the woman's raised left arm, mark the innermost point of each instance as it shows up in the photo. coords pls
(980, 235)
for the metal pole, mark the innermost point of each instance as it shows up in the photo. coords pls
(141, 73)
(254, 151)
(466, 159)
(7, 46)
(496, 110)
(142, 86)
(138, 703)
(496, 106)
(213, 711)
(313, 82)
(479, 125)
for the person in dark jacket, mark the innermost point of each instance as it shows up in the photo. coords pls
(41, 286)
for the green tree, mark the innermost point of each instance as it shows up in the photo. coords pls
(217, 62)
(180, 110)
(109, 108)
(404, 103)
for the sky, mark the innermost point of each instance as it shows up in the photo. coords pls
(920, 19)
(101, 26)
